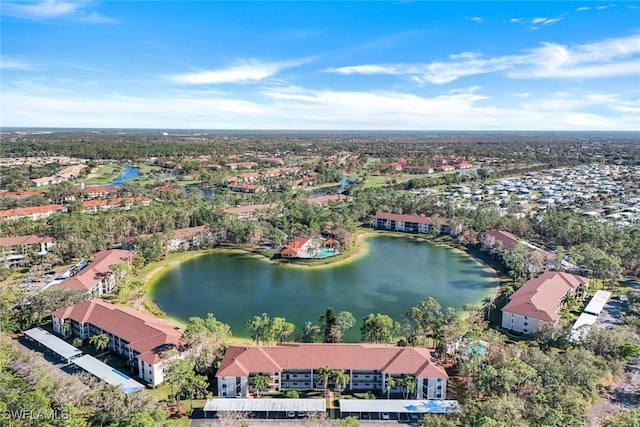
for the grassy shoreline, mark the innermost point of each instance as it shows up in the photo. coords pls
(151, 275)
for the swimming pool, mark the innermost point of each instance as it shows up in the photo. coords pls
(326, 253)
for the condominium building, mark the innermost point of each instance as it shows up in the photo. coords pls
(145, 341)
(296, 366)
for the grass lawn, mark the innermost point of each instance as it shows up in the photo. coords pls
(161, 392)
(103, 175)
(377, 181)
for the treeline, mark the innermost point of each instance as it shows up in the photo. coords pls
(512, 146)
(31, 394)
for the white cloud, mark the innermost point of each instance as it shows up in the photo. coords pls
(583, 9)
(435, 72)
(475, 19)
(244, 71)
(7, 63)
(300, 108)
(537, 22)
(50, 9)
(607, 58)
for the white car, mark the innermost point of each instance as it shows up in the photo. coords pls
(291, 414)
(384, 416)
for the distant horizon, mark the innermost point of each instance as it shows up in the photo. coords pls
(353, 66)
(169, 130)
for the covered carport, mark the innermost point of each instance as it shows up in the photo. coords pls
(264, 408)
(53, 343)
(401, 410)
(597, 303)
(107, 374)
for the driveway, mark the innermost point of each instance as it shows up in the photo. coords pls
(622, 394)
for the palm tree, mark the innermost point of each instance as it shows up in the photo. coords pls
(341, 379)
(324, 373)
(409, 385)
(260, 382)
(487, 306)
(100, 342)
(65, 327)
(389, 383)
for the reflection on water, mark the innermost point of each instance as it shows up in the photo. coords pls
(394, 275)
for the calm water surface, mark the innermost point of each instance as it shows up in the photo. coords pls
(128, 172)
(394, 275)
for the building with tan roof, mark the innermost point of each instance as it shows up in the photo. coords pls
(13, 250)
(296, 366)
(399, 222)
(98, 277)
(539, 300)
(246, 212)
(141, 339)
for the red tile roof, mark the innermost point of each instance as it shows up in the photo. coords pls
(240, 361)
(119, 201)
(421, 219)
(21, 193)
(541, 297)
(99, 189)
(145, 334)
(93, 273)
(320, 200)
(31, 239)
(504, 240)
(293, 247)
(31, 210)
(246, 209)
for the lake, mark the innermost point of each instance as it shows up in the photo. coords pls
(128, 172)
(392, 276)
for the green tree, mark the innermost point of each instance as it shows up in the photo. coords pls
(330, 329)
(281, 330)
(324, 374)
(260, 328)
(345, 321)
(309, 332)
(99, 341)
(389, 384)
(340, 379)
(408, 384)
(378, 328)
(630, 418)
(65, 327)
(206, 339)
(139, 419)
(260, 382)
(349, 422)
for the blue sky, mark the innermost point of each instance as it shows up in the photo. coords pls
(403, 65)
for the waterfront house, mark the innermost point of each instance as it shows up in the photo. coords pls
(539, 300)
(146, 342)
(296, 366)
(399, 222)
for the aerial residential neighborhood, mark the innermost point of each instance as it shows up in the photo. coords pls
(313, 214)
(538, 275)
